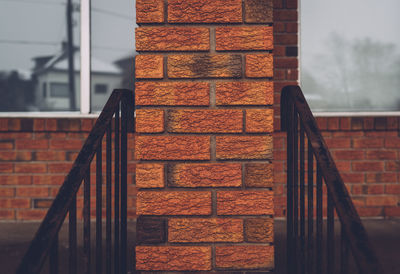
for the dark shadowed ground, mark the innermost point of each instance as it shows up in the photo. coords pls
(15, 238)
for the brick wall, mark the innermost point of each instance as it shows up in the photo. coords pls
(204, 140)
(35, 156)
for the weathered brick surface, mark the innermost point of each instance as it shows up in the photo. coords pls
(259, 120)
(244, 93)
(244, 38)
(172, 93)
(149, 66)
(149, 175)
(173, 203)
(205, 121)
(248, 257)
(204, 11)
(259, 230)
(149, 11)
(205, 230)
(172, 148)
(169, 258)
(172, 39)
(205, 66)
(258, 175)
(150, 230)
(205, 175)
(258, 11)
(150, 120)
(244, 147)
(259, 65)
(245, 202)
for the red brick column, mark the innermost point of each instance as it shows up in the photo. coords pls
(204, 95)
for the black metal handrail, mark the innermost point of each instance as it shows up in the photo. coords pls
(305, 249)
(45, 242)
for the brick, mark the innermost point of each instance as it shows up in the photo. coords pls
(259, 65)
(258, 11)
(353, 177)
(286, 63)
(292, 27)
(150, 230)
(48, 179)
(32, 192)
(245, 203)
(348, 154)
(368, 143)
(259, 230)
(205, 175)
(149, 66)
(172, 93)
(205, 121)
(286, 39)
(204, 11)
(259, 120)
(244, 147)
(172, 148)
(15, 180)
(42, 203)
(392, 189)
(15, 203)
(338, 143)
(384, 177)
(149, 11)
(205, 230)
(64, 145)
(244, 93)
(381, 155)
(31, 144)
(149, 120)
(244, 257)
(285, 15)
(205, 66)
(30, 168)
(6, 144)
(392, 142)
(173, 203)
(392, 211)
(31, 214)
(381, 200)
(50, 155)
(149, 175)
(244, 38)
(7, 192)
(258, 175)
(169, 258)
(59, 167)
(6, 214)
(392, 166)
(367, 166)
(65, 124)
(172, 39)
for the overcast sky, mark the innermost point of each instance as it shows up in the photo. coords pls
(44, 21)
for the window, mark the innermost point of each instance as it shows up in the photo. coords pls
(350, 55)
(59, 90)
(39, 37)
(100, 88)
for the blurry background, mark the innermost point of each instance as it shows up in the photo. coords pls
(34, 50)
(350, 54)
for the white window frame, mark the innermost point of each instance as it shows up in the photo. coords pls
(85, 83)
(332, 113)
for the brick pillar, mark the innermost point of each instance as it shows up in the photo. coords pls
(204, 94)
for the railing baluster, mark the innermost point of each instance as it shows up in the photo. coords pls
(344, 253)
(290, 176)
(86, 222)
(310, 209)
(53, 258)
(99, 193)
(116, 191)
(72, 238)
(302, 204)
(330, 236)
(319, 220)
(108, 201)
(124, 173)
(296, 191)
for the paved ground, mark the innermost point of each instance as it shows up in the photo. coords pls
(15, 237)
